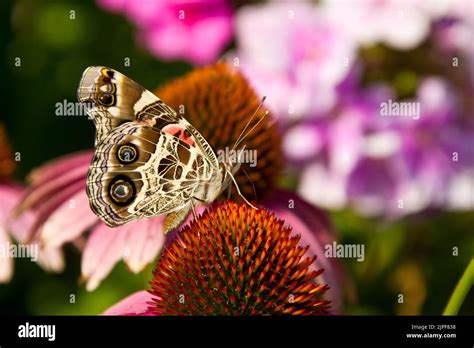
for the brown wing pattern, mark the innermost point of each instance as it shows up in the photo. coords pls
(140, 171)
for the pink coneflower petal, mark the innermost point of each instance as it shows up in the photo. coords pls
(50, 205)
(9, 197)
(136, 243)
(144, 243)
(51, 259)
(104, 248)
(37, 194)
(134, 304)
(56, 188)
(53, 169)
(6, 263)
(68, 221)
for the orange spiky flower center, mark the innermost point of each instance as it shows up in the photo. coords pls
(235, 260)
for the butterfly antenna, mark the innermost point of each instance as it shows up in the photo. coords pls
(251, 129)
(239, 139)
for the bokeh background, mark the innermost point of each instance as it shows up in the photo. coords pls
(325, 75)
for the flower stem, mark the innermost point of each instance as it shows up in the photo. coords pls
(461, 290)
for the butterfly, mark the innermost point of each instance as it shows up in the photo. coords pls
(148, 159)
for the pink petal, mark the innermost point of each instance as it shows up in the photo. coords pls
(58, 166)
(37, 194)
(10, 194)
(104, 248)
(147, 13)
(9, 197)
(50, 204)
(207, 39)
(51, 259)
(137, 243)
(20, 227)
(133, 304)
(68, 221)
(144, 242)
(168, 42)
(6, 263)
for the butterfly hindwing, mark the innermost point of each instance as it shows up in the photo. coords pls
(140, 171)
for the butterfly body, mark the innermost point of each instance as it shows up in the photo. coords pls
(148, 160)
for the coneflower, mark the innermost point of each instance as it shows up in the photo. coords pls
(235, 260)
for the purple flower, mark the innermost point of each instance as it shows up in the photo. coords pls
(196, 31)
(373, 21)
(390, 165)
(293, 54)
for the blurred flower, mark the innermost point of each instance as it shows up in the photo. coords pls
(453, 34)
(235, 260)
(346, 153)
(387, 165)
(293, 54)
(6, 204)
(373, 21)
(196, 31)
(219, 103)
(49, 258)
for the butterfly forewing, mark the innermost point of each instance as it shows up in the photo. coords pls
(114, 99)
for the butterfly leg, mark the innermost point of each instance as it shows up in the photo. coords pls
(240, 193)
(175, 219)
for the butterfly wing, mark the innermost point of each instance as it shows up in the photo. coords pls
(140, 171)
(113, 99)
